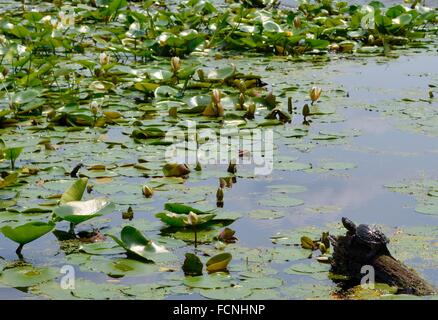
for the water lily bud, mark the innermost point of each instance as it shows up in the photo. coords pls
(241, 101)
(220, 195)
(227, 236)
(220, 110)
(45, 19)
(21, 49)
(431, 94)
(334, 47)
(306, 110)
(84, 29)
(322, 248)
(232, 167)
(315, 93)
(104, 58)
(201, 74)
(216, 96)
(175, 63)
(240, 84)
(148, 192)
(297, 22)
(371, 39)
(175, 170)
(173, 112)
(198, 166)
(94, 107)
(129, 214)
(271, 100)
(288, 33)
(192, 218)
(289, 105)
(251, 111)
(222, 182)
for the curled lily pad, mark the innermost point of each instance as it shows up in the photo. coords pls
(219, 262)
(133, 241)
(181, 220)
(12, 154)
(80, 211)
(182, 209)
(192, 265)
(307, 243)
(8, 180)
(75, 191)
(175, 170)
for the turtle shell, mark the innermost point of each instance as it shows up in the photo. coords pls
(371, 235)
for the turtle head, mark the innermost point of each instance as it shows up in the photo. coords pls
(348, 224)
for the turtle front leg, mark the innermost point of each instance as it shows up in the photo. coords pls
(373, 252)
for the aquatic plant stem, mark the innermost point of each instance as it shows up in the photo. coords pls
(18, 251)
(196, 236)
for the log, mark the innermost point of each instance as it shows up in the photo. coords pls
(350, 256)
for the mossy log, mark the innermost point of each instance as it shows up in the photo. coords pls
(350, 256)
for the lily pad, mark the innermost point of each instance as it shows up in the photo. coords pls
(281, 201)
(133, 241)
(218, 262)
(233, 293)
(27, 276)
(79, 211)
(213, 281)
(27, 232)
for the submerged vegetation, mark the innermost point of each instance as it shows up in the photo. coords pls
(90, 89)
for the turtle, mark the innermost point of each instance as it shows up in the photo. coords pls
(367, 235)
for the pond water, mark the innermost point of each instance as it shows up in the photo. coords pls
(382, 138)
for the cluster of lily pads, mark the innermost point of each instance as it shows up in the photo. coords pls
(71, 73)
(68, 62)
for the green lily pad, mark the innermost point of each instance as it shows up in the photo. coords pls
(218, 262)
(262, 283)
(133, 241)
(338, 166)
(307, 269)
(27, 232)
(308, 291)
(180, 220)
(27, 276)
(431, 209)
(281, 201)
(266, 214)
(233, 293)
(75, 191)
(120, 267)
(192, 265)
(213, 281)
